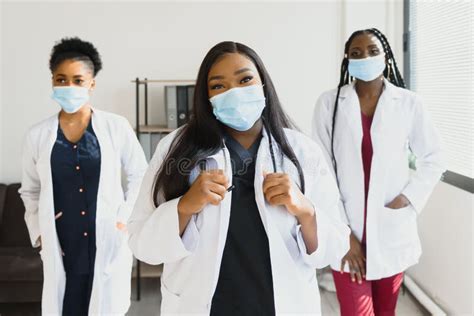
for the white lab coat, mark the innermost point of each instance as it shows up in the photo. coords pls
(119, 150)
(400, 123)
(192, 262)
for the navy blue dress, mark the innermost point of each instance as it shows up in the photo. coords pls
(75, 171)
(245, 285)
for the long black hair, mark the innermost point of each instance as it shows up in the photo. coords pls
(390, 72)
(202, 136)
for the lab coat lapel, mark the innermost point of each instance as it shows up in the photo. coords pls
(384, 117)
(221, 160)
(276, 245)
(261, 165)
(285, 277)
(54, 275)
(105, 156)
(45, 154)
(349, 106)
(97, 289)
(44, 162)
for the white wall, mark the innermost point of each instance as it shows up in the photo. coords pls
(301, 45)
(161, 41)
(445, 268)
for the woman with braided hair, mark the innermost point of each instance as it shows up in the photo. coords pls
(366, 128)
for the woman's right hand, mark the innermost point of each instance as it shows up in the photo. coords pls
(209, 187)
(355, 258)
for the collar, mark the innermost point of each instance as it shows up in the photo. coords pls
(391, 90)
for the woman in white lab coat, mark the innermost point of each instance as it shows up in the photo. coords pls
(76, 209)
(237, 205)
(366, 128)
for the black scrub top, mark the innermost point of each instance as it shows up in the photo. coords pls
(75, 170)
(245, 285)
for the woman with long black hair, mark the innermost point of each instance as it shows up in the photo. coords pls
(237, 205)
(366, 127)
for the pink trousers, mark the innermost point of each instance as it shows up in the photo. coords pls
(377, 297)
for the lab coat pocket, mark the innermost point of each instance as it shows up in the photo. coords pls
(397, 227)
(118, 241)
(170, 301)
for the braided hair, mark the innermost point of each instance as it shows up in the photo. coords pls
(391, 72)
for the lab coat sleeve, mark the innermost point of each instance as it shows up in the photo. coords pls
(30, 191)
(154, 231)
(425, 143)
(332, 232)
(321, 134)
(134, 165)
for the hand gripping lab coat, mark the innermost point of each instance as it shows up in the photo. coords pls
(192, 262)
(112, 272)
(400, 122)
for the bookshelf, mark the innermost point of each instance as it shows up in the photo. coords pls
(149, 134)
(139, 83)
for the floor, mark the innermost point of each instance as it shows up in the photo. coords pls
(149, 303)
(151, 298)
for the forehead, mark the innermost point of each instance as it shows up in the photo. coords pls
(73, 67)
(365, 40)
(230, 62)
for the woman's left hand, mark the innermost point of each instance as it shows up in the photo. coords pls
(279, 189)
(400, 201)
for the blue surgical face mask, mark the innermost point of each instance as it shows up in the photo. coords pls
(367, 69)
(239, 108)
(70, 98)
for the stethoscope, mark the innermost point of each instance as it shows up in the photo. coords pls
(202, 163)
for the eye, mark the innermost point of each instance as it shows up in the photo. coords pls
(246, 79)
(60, 80)
(375, 51)
(217, 87)
(78, 81)
(354, 53)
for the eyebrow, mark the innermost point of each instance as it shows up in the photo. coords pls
(216, 78)
(63, 75)
(235, 73)
(242, 70)
(371, 45)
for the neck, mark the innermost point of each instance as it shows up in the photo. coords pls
(369, 89)
(248, 137)
(81, 116)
